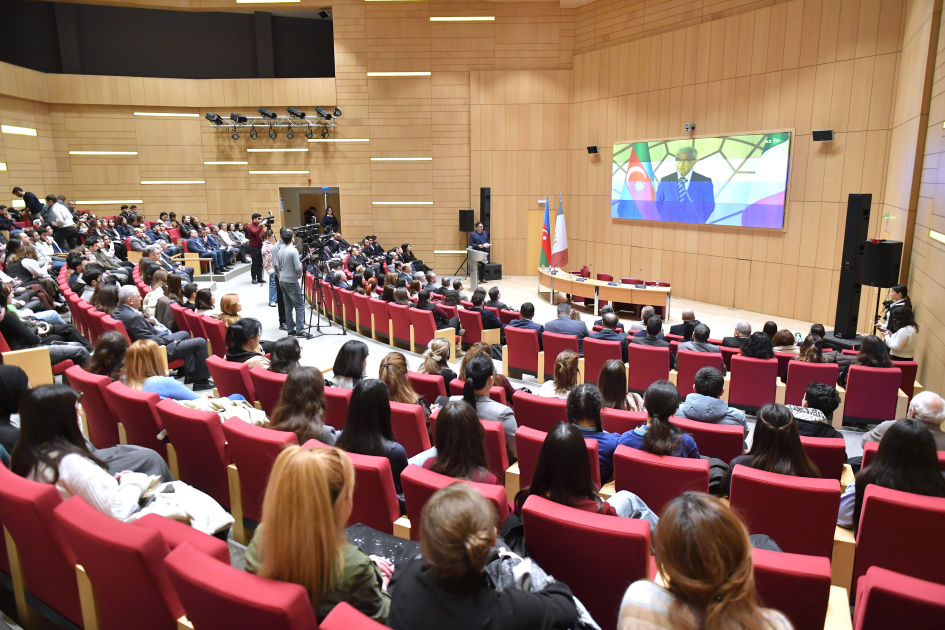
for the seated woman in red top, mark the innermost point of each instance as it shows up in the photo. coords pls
(563, 473)
(461, 445)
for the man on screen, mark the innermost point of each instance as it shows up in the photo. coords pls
(685, 196)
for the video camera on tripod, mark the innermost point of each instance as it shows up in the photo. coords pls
(268, 221)
(310, 243)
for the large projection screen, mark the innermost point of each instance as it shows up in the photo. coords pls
(724, 180)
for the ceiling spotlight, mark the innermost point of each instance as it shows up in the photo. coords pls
(214, 118)
(324, 132)
(237, 118)
(290, 135)
(295, 112)
(323, 113)
(324, 14)
(253, 134)
(309, 134)
(236, 136)
(272, 133)
(336, 113)
(266, 113)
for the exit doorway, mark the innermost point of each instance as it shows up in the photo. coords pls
(301, 206)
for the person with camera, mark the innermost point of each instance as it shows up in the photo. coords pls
(256, 232)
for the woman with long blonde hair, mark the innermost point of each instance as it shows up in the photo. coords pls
(436, 360)
(301, 538)
(567, 376)
(393, 372)
(704, 556)
(145, 371)
(229, 309)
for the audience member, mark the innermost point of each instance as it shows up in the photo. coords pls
(872, 354)
(566, 376)
(402, 297)
(770, 328)
(368, 430)
(608, 332)
(927, 407)
(495, 302)
(108, 356)
(447, 587)
(350, 364)
(525, 321)
(705, 404)
(479, 373)
(230, 308)
(758, 346)
(301, 539)
(489, 319)
(63, 341)
(242, 343)
(607, 308)
(436, 361)
(441, 318)
(902, 335)
(688, 325)
(645, 313)
(742, 333)
(106, 298)
(13, 384)
(150, 301)
(658, 435)
(612, 383)
(285, 356)
(653, 337)
(564, 325)
(814, 416)
(302, 406)
(393, 372)
(584, 405)
(784, 342)
(444, 287)
(458, 288)
(460, 445)
(705, 557)
(145, 371)
(205, 303)
(499, 379)
(700, 341)
(775, 447)
(190, 295)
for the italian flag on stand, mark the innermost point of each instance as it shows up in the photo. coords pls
(559, 249)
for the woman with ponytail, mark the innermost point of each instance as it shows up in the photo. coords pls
(659, 436)
(301, 538)
(480, 375)
(447, 587)
(704, 556)
(436, 360)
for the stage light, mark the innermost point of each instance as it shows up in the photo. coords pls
(3, 166)
(214, 118)
(272, 133)
(289, 134)
(235, 136)
(324, 132)
(321, 111)
(237, 118)
(295, 112)
(265, 113)
(336, 113)
(309, 134)
(253, 134)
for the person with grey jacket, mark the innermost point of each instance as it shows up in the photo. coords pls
(289, 267)
(479, 378)
(704, 404)
(926, 406)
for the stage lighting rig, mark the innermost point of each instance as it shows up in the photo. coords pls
(289, 134)
(336, 113)
(324, 113)
(294, 121)
(252, 133)
(214, 118)
(265, 113)
(309, 134)
(295, 112)
(237, 118)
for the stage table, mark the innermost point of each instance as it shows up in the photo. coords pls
(600, 290)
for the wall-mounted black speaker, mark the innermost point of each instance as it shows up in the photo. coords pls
(822, 135)
(851, 268)
(592, 149)
(881, 263)
(466, 221)
(485, 207)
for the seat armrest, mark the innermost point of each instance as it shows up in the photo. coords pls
(838, 610)
(402, 528)
(513, 481)
(841, 563)
(491, 336)
(175, 534)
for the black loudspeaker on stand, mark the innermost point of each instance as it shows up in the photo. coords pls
(851, 269)
(466, 221)
(485, 207)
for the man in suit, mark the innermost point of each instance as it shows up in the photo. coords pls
(338, 280)
(525, 321)
(489, 319)
(685, 196)
(645, 313)
(603, 311)
(140, 241)
(430, 284)
(742, 333)
(458, 287)
(199, 244)
(164, 262)
(652, 338)
(479, 240)
(700, 341)
(158, 232)
(150, 262)
(179, 344)
(444, 287)
(564, 325)
(494, 301)
(233, 252)
(689, 324)
(608, 333)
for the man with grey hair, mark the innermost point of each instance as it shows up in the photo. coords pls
(430, 282)
(645, 313)
(179, 345)
(700, 341)
(564, 325)
(742, 333)
(689, 323)
(925, 406)
(685, 196)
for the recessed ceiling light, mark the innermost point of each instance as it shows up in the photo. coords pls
(222, 162)
(278, 172)
(103, 153)
(168, 114)
(401, 159)
(174, 181)
(457, 18)
(20, 131)
(277, 150)
(402, 203)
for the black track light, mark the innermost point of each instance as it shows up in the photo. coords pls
(253, 134)
(272, 133)
(324, 132)
(309, 134)
(290, 135)
(236, 136)
(266, 113)
(214, 118)
(295, 112)
(237, 118)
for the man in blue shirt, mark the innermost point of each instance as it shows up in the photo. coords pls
(200, 245)
(525, 321)
(480, 240)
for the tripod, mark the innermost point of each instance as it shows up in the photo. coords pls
(317, 303)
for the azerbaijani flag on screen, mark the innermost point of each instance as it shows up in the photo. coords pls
(544, 259)
(637, 196)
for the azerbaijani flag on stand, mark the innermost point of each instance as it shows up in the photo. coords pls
(544, 259)
(559, 250)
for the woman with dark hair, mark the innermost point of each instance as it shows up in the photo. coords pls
(13, 384)
(898, 297)
(301, 408)
(367, 427)
(584, 405)
(387, 294)
(205, 303)
(784, 342)
(124, 230)
(563, 473)
(906, 461)
(409, 257)
(242, 343)
(872, 353)
(441, 318)
(330, 222)
(107, 300)
(705, 557)
(350, 364)
(357, 284)
(810, 351)
(612, 383)
(775, 447)
(479, 376)
(51, 449)
(758, 346)
(460, 445)
(902, 335)
(108, 356)
(499, 380)
(285, 356)
(770, 328)
(401, 296)
(658, 435)
(174, 290)
(452, 298)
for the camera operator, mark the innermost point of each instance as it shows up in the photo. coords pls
(255, 232)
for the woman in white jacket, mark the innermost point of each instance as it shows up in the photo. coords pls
(902, 334)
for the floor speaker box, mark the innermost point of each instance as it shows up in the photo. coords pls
(492, 271)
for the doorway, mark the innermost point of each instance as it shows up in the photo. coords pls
(303, 205)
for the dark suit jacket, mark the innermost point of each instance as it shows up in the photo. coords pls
(489, 320)
(528, 324)
(697, 209)
(442, 290)
(685, 329)
(656, 342)
(607, 334)
(734, 342)
(148, 267)
(642, 333)
(136, 325)
(502, 306)
(429, 287)
(564, 325)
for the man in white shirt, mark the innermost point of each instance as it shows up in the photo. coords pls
(63, 224)
(48, 247)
